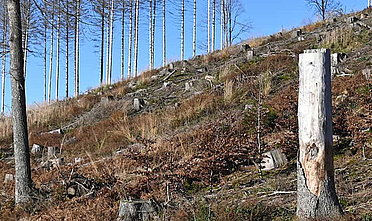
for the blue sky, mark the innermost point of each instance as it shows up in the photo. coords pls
(264, 16)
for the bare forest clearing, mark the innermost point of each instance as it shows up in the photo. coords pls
(187, 141)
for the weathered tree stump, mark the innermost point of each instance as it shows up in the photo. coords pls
(273, 159)
(136, 210)
(316, 197)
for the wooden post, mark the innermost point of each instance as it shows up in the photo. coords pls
(316, 197)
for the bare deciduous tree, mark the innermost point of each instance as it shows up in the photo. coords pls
(325, 8)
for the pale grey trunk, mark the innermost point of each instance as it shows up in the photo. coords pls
(209, 26)
(222, 23)
(130, 38)
(122, 42)
(23, 180)
(58, 49)
(67, 49)
(194, 32)
(77, 48)
(153, 36)
(183, 30)
(230, 23)
(316, 197)
(102, 43)
(213, 25)
(45, 57)
(51, 57)
(3, 66)
(150, 34)
(164, 35)
(26, 46)
(110, 43)
(136, 38)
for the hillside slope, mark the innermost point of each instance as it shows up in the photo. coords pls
(185, 136)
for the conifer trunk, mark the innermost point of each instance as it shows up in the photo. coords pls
(67, 56)
(164, 35)
(194, 32)
(23, 180)
(136, 32)
(3, 59)
(77, 48)
(130, 45)
(183, 30)
(122, 42)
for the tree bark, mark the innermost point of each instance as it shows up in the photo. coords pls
(58, 48)
(153, 36)
(150, 33)
(122, 42)
(45, 55)
(194, 32)
(164, 35)
(3, 65)
(77, 48)
(51, 54)
(213, 25)
(130, 39)
(23, 182)
(110, 42)
(136, 38)
(183, 30)
(67, 48)
(316, 197)
(102, 43)
(222, 22)
(209, 26)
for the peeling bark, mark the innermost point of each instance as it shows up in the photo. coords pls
(317, 197)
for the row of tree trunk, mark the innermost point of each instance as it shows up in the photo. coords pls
(60, 21)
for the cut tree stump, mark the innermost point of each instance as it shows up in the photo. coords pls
(273, 159)
(136, 210)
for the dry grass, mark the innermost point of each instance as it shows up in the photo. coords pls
(258, 41)
(219, 55)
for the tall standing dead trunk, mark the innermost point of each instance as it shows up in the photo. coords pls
(26, 28)
(164, 35)
(152, 58)
(229, 17)
(23, 180)
(110, 42)
(51, 54)
(213, 25)
(150, 33)
(136, 38)
(194, 32)
(316, 197)
(102, 62)
(209, 26)
(3, 59)
(183, 30)
(222, 21)
(130, 38)
(122, 41)
(58, 48)
(45, 34)
(67, 48)
(77, 48)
